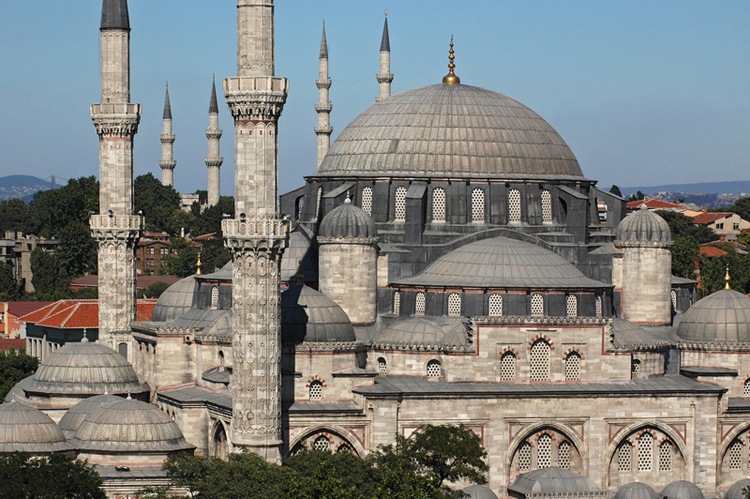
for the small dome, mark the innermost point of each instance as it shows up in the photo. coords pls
(176, 300)
(17, 391)
(643, 226)
(681, 489)
(636, 490)
(425, 331)
(347, 220)
(308, 315)
(85, 369)
(552, 481)
(721, 317)
(130, 426)
(26, 429)
(479, 492)
(735, 491)
(76, 414)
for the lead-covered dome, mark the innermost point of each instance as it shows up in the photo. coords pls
(26, 429)
(553, 480)
(347, 221)
(175, 301)
(681, 489)
(736, 490)
(643, 226)
(424, 333)
(73, 418)
(308, 315)
(450, 131)
(721, 317)
(636, 490)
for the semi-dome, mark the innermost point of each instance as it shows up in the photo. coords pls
(347, 221)
(26, 429)
(130, 426)
(636, 490)
(308, 315)
(175, 301)
(500, 262)
(721, 317)
(479, 492)
(450, 131)
(643, 226)
(416, 332)
(85, 369)
(73, 418)
(681, 489)
(552, 481)
(735, 491)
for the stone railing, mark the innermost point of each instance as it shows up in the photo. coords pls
(117, 222)
(256, 84)
(234, 228)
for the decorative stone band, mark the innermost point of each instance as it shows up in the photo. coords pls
(323, 84)
(325, 129)
(324, 346)
(424, 348)
(349, 240)
(385, 77)
(116, 227)
(713, 346)
(542, 321)
(167, 165)
(167, 138)
(217, 162)
(568, 495)
(116, 120)
(260, 98)
(324, 108)
(619, 243)
(214, 133)
(236, 228)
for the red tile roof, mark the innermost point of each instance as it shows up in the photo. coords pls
(653, 204)
(142, 281)
(712, 251)
(707, 218)
(19, 308)
(14, 343)
(79, 314)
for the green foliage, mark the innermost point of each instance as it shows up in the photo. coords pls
(741, 207)
(10, 290)
(54, 210)
(77, 251)
(615, 190)
(450, 453)
(713, 271)
(154, 290)
(50, 279)
(56, 477)
(213, 257)
(682, 225)
(339, 467)
(744, 238)
(15, 215)
(15, 366)
(157, 201)
(684, 255)
(209, 220)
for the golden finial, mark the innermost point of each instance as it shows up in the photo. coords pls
(727, 279)
(386, 12)
(198, 264)
(451, 78)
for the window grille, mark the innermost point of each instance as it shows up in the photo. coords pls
(573, 367)
(635, 368)
(434, 369)
(419, 306)
(367, 200)
(438, 204)
(546, 207)
(625, 457)
(524, 456)
(477, 205)
(344, 448)
(599, 308)
(382, 366)
(454, 304)
(673, 296)
(514, 206)
(746, 390)
(400, 208)
(645, 452)
(665, 456)
(537, 305)
(317, 203)
(735, 455)
(496, 305)
(572, 306)
(540, 361)
(397, 302)
(563, 455)
(322, 443)
(508, 367)
(544, 452)
(215, 297)
(316, 390)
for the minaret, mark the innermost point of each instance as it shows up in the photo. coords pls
(323, 129)
(256, 237)
(167, 162)
(214, 159)
(116, 229)
(385, 77)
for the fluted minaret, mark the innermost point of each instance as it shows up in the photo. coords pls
(385, 77)
(167, 162)
(115, 228)
(256, 237)
(323, 129)
(214, 159)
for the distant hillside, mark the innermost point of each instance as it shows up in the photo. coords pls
(22, 186)
(736, 188)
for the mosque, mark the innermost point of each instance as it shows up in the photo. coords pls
(447, 262)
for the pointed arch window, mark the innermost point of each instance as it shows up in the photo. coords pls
(539, 358)
(665, 456)
(508, 367)
(625, 457)
(537, 305)
(419, 305)
(215, 297)
(454, 304)
(573, 367)
(563, 455)
(524, 457)
(646, 452)
(317, 203)
(735, 455)
(544, 452)
(382, 366)
(496, 305)
(322, 443)
(400, 204)
(546, 207)
(397, 302)
(434, 369)
(572, 306)
(367, 200)
(598, 306)
(477, 205)
(746, 389)
(673, 297)
(514, 206)
(316, 390)
(438, 204)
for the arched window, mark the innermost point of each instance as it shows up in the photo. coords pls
(572, 306)
(735, 455)
(665, 456)
(382, 366)
(215, 297)
(344, 448)
(122, 348)
(546, 207)
(524, 456)
(434, 369)
(544, 452)
(539, 358)
(573, 367)
(316, 390)
(397, 303)
(625, 457)
(419, 306)
(563, 455)
(508, 367)
(645, 452)
(598, 305)
(746, 389)
(496, 305)
(537, 305)
(317, 203)
(400, 204)
(673, 296)
(322, 443)
(635, 368)
(367, 200)
(514, 206)
(454, 304)
(477, 205)
(438, 204)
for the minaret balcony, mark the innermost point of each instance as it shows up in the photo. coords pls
(239, 228)
(385, 77)
(215, 162)
(327, 129)
(323, 83)
(273, 84)
(324, 108)
(117, 222)
(111, 109)
(167, 165)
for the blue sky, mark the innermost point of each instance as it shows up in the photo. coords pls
(644, 92)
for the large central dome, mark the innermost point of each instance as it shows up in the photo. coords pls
(450, 131)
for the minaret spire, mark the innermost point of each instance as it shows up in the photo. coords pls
(214, 159)
(116, 229)
(385, 77)
(167, 162)
(323, 129)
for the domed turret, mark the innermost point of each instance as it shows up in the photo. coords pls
(26, 429)
(307, 315)
(347, 221)
(643, 227)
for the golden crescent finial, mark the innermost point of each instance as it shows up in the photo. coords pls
(198, 264)
(451, 78)
(727, 279)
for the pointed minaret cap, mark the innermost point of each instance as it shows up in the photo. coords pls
(115, 15)
(324, 44)
(167, 106)
(451, 78)
(385, 43)
(214, 106)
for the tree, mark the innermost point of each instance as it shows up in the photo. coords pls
(682, 225)
(157, 201)
(15, 215)
(53, 210)
(615, 190)
(713, 271)
(684, 254)
(77, 250)
(154, 290)
(344, 467)
(15, 366)
(10, 290)
(741, 207)
(50, 279)
(54, 477)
